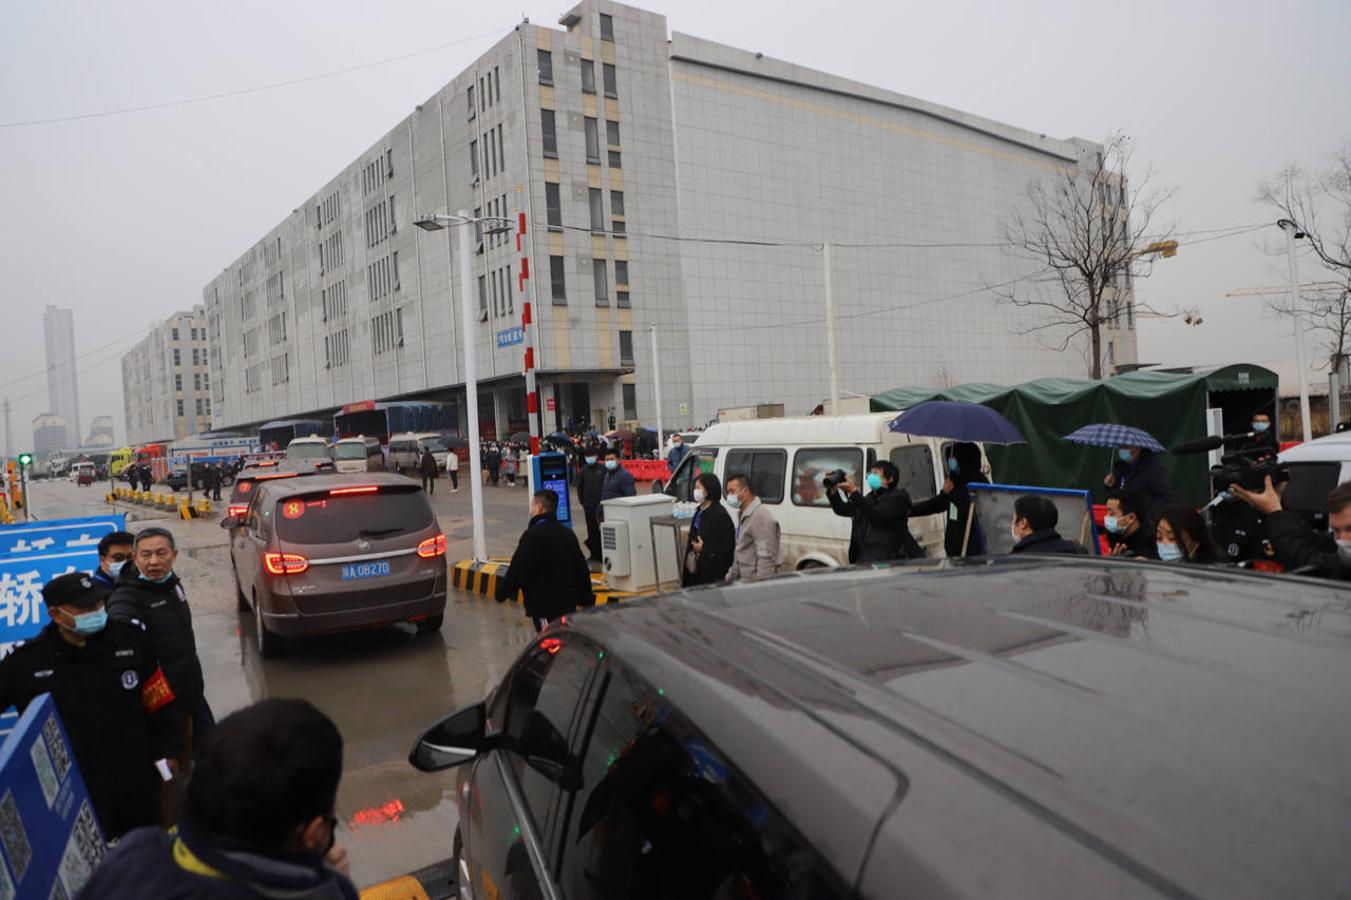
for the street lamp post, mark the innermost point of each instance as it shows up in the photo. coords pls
(1291, 232)
(494, 225)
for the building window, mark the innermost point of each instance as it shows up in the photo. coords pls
(607, 27)
(614, 160)
(178, 358)
(622, 299)
(621, 273)
(473, 159)
(626, 348)
(473, 110)
(607, 73)
(630, 392)
(597, 210)
(482, 297)
(179, 404)
(557, 282)
(546, 117)
(178, 382)
(394, 268)
(588, 76)
(173, 334)
(617, 211)
(546, 66)
(199, 406)
(501, 150)
(196, 381)
(554, 202)
(497, 85)
(612, 133)
(601, 276)
(592, 141)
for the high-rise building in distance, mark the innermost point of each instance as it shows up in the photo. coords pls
(166, 388)
(63, 390)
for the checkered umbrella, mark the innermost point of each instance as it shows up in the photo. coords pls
(1111, 435)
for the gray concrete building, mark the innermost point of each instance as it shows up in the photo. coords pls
(667, 181)
(63, 389)
(166, 380)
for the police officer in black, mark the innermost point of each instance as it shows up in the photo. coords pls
(112, 697)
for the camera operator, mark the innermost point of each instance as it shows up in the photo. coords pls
(1296, 545)
(881, 529)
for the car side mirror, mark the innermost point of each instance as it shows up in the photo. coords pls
(231, 522)
(453, 741)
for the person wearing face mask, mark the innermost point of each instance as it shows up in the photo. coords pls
(1127, 533)
(114, 701)
(590, 490)
(114, 552)
(712, 541)
(259, 818)
(618, 481)
(548, 568)
(1294, 544)
(757, 533)
(1033, 528)
(150, 596)
(1182, 537)
(1142, 471)
(1263, 439)
(963, 465)
(881, 529)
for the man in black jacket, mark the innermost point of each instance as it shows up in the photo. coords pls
(1297, 546)
(1034, 522)
(590, 487)
(427, 469)
(1128, 532)
(548, 566)
(881, 529)
(150, 596)
(112, 698)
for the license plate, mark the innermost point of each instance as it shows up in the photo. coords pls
(372, 569)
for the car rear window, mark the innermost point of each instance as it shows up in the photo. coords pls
(307, 451)
(326, 518)
(349, 451)
(1310, 484)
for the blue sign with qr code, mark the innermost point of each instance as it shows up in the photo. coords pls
(50, 839)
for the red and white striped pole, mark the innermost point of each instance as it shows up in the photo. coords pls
(528, 327)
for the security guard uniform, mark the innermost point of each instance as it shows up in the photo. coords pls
(113, 700)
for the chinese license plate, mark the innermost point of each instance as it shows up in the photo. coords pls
(373, 569)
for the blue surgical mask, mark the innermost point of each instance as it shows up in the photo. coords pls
(115, 568)
(1124, 454)
(874, 481)
(1112, 524)
(1260, 427)
(163, 580)
(611, 464)
(952, 464)
(734, 501)
(90, 623)
(590, 460)
(1170, 552)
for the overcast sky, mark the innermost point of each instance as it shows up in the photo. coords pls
(124, 218)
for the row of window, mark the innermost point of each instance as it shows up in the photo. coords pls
(336, 350)
(247, 307)
(497, 208)
(198, 334)
(198, 357)
(276, 288)
(376, 172)
(497, 286)
(281, 369)
(200, 381)
(489, 91)
(608, 78)
(251, 342)
(203, 409)
(382, 276)
(272, 254)
(276, 329)
(549, 133)
(331, 252)
(387, 331)
(600, 276)
(334, 300)
(326, 211)
(380, 222)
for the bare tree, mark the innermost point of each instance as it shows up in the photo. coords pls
(1089, 234)
(1319, 203)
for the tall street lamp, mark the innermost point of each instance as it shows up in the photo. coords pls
(491, 225)
(1292, 233)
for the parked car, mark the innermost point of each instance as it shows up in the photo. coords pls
(1067, 727)
(358, 454)
(1315, 468)
(337, 552)
(405, 451)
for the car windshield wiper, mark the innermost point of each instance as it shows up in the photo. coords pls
(378, 532)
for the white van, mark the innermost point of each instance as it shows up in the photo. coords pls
(405, 451)
(786, 460)
(1316, 467)
(358, 454)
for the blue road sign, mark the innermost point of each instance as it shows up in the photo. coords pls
(509, 337)
(50, 838)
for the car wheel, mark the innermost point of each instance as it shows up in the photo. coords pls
(464, 888)
(270, 644)
(431, 623)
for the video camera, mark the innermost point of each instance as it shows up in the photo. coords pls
(834, 479)
(1247, 468)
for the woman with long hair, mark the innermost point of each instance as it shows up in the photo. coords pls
(708, 555)
(1183, 537)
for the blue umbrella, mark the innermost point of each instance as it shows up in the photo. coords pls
(957, 421)
(1111, 435)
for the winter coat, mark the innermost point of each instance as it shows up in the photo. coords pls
(1048, 540)
(757, 544)
(427, 466)
(161, 610)
(548, 566)
(590, 486)
(1297, 546)
(714, 526)
(618, 483)
(1147, 479)
(116, 708)
(958, 506)
(676, 456)
(881, 529)
(1139, 543)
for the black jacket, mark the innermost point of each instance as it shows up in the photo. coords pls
(590, 484)
(1139, 543)
(618, 483)
(162, 611)
(1147, 479)
(1297, 546)
(881, 529)
(1048, 540)
(715, 527)
(117, 711)
(548, 566)
(957, 505)
(427, 466)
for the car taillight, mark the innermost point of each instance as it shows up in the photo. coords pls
(232, 511)
(285, 563)
(363, 489)
(432, 547)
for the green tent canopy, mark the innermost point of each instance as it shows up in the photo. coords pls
(1171, 405)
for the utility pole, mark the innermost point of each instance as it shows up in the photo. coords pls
(9, 433)
(830, 333)
(656, 386)
(1291, 232)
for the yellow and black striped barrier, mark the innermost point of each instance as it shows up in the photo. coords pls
(481, 578)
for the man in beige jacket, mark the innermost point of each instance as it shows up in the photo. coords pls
(757, 533)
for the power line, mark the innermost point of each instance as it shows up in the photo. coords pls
(248, 90)
(43, 371)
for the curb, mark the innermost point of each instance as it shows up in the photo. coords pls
(481, 578)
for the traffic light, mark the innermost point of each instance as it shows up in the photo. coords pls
(25, 460)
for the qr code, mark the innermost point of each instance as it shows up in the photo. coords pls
(84, 851)
(42, 763)
(56, 746)
(14, 837)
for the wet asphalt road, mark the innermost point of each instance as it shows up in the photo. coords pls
(380, 687)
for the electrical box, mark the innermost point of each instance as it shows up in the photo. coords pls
(626, 543)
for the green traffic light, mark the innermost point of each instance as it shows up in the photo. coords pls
(25, 459)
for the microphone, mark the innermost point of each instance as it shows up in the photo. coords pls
(1206, 444)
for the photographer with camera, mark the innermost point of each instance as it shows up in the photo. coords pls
(1297, 546)
(881, 529)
